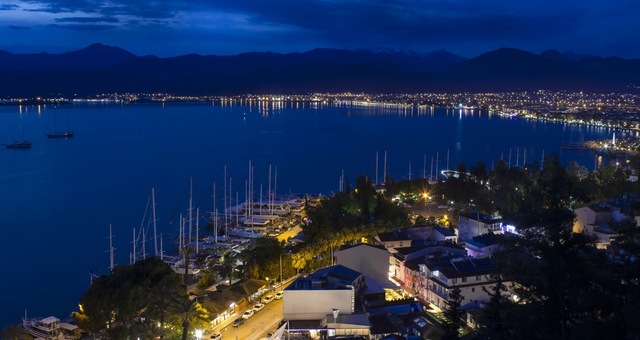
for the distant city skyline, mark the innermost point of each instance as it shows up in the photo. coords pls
(467, 28)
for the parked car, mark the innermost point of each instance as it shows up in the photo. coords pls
(258, 307)
(247, 314)
(237, 322)
(267, 298)
(279, 295)
(216, 336)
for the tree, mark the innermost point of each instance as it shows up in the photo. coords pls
(453, 315)
(120, 301)
(494, 320)
(563, 281)
(13, 332)
(188, 312)
(162, 300)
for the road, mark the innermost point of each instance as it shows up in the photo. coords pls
(256, 327)
(289, 233)
(430, 209)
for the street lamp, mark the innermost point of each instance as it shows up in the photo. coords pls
(425, 196)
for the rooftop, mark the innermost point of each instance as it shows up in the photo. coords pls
(445, 231)
(396, 235)
(334, 277)
(454, 267)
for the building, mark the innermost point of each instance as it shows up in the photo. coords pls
(326, 304)
(394, 239)
(442, 234)
(595, 220)
(473, 276)
(592, 215)
(371, 261)
(403, 262)
(474, 224)
(483, 245)
(314, 296)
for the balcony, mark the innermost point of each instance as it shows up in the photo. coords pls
(441, 293)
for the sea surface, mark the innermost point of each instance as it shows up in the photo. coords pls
(58, 199)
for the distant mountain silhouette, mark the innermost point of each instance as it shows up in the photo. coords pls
(99, 68)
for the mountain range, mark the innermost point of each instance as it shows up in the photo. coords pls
(107, 69)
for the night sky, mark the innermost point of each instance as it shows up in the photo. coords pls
(464, 27)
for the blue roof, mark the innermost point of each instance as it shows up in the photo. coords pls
(445, 231)
(333, 277)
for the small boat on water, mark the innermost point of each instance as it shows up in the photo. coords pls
(65, 134)
(56, 133)
(50, 328)
(25, 144)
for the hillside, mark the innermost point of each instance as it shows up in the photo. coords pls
(99, 68)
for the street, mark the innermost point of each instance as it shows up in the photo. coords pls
(254, 328)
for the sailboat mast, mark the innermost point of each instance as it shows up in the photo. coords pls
(133, 254)
(250, 192)
(197, 225)
(447, 159)
(246, 199)
(111, 249)
(144, 242)
(376, 167)
(190, 210)
(155, 231)
(180, 234)
(431, 173)
(384, 170)
(269, 196)
(424, 167)
(226, 221)
(215, 215)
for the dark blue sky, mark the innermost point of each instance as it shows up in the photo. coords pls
(465, 27)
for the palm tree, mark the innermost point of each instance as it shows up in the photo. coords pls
(13, 332)
(189, 311)
(162, 300)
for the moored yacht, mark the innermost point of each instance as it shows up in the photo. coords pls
(49, 328)
(245, 232)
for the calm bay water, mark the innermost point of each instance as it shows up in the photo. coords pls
(58, 199)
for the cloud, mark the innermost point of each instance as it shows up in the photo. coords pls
(17, 28)
(64, 6)
(8, 7)
(88, 19)
(295, 25)
(81, 27)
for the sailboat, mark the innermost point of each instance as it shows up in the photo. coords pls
(24, 144)
(56, 133)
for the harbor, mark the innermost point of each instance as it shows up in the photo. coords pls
(61, 196)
